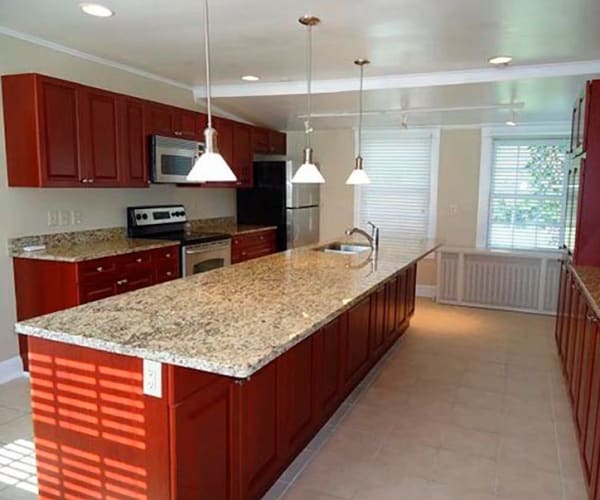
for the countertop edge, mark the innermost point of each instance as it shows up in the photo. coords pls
(235, 371)
(584, 288)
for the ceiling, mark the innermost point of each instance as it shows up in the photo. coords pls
(400, 37)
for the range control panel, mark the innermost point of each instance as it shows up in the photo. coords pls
(148, 216)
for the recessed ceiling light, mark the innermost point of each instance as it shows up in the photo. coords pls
(96, 10)
(498, 60)
(250, 78)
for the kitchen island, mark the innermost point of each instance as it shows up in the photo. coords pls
(209, 386)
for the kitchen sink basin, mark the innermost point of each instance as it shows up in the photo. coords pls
(343, 248)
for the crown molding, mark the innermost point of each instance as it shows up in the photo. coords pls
(415, 80)
(26, 37)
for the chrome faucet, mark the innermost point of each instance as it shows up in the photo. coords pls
(372, 238)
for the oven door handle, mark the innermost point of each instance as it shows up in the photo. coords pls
(205, 249)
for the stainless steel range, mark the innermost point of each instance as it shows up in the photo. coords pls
(200, 251)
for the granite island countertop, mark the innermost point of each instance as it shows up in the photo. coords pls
(589, 279)
(234, 320)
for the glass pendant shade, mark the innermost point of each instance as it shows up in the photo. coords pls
(358, 175)
(308, 173)
(210, 166)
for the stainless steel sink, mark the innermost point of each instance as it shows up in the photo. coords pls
(343, 248)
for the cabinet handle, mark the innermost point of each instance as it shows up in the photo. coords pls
(262, 237)
(169, 273)
(138, 260)
(178, 133)
(592, 317)
(90, 180)
(244, 254)
(122, 282)
(99, 269)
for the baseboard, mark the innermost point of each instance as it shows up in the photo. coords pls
(426, 291)
(11, 369)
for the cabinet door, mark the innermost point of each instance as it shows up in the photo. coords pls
(559, 321)
(378, 314)
(260, 140)
(242, 154)
(160, 119)
(402, 285)
(591, 448)
(327, 372)
(259, 420)
(224, 130)
(578, 349)
(58, 129)
(189, 124)
(133, 144)
(201, 445)
(390, 313)
(137, 281)
(277, 142)
(91, 292)
(295, 398)
(99, 137)
(575, 298)
(356, 346)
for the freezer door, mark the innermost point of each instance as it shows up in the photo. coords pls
(302, 226)
(300, 195)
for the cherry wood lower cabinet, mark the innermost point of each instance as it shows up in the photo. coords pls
(46, 286)
(209, 437)
(578, 344)
(253, 245)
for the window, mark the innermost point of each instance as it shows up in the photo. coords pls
(401, 198)
(527, 194)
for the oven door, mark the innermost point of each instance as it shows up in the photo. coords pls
(172, 159)
(206, 257)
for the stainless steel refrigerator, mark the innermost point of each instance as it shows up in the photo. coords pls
(274, 200)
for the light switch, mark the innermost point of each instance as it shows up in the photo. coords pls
(152, 378)
(64, 218)
(52, 218)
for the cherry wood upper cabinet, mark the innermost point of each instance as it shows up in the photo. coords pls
(99, 137)
(133, 144)
(41, 129)
(242, 154)
(265, 141)
(175, 122)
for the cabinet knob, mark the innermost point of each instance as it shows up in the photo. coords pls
(262, 237)
(99, 269)
(178, 133)
(138, 260)
(90, 180)
(168, 256)
(122, 282)
(169, 273)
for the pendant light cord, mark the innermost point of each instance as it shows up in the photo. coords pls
(308, 84)
(360, 109)
(207, 62)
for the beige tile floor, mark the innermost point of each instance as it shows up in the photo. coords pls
(470, 405)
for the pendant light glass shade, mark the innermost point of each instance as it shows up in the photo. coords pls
(308, 173)
(358, 175)
(210, 166)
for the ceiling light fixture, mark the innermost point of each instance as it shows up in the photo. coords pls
(501, 60)
(358, 175)
(308, 173)
(96, 10)
(513, 119)
(250, 78)
(210, 166)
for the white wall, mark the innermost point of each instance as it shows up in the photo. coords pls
(23, 211)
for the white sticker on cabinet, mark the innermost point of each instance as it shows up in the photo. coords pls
(152, 378)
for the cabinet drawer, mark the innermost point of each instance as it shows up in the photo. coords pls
(167, 271)
(133, 262)
(167, 254)
(253, 239)
(96, 291)
(97, 270)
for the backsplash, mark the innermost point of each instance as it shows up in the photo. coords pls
(15, 245)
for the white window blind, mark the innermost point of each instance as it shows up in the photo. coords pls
(527, 194)
(398, 200)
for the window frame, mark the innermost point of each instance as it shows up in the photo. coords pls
(488, 136)
(434, 134)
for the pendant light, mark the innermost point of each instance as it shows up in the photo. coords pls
(308, 173)
(210, 166)
(513, 119)
(358, 175)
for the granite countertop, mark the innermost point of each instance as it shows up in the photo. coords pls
(589, 279)
(232, 320)
(79, 252)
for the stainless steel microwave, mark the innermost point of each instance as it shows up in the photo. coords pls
(172, 159)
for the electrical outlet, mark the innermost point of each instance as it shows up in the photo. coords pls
(52, 218)
(152, 378)
(64, 217)
(75, 217)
